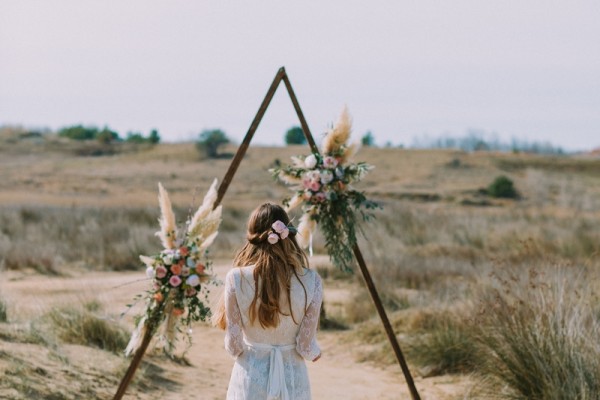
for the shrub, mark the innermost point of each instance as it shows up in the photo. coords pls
(82, 327)
(209, 142)
(368, 139)
(295, 135)
(502, 187)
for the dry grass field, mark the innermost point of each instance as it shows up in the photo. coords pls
(490, 298)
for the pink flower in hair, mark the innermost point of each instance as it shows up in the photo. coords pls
(278, 226)
(273, 238)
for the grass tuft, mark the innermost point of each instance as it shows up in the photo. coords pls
(540, 338)
(82, 327)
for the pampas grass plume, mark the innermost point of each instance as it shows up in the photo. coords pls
(167, 233)
(339, 135)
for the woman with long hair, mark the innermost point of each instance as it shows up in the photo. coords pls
(270, 312)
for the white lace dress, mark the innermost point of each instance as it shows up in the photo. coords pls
(270, 362)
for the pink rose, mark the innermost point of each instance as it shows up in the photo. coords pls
(330, 162)
(161, 272)
(306, 182)
(314, 186)
(284, 233)
(273, 238)
(320, 197)
(278, 226)
(175, 281)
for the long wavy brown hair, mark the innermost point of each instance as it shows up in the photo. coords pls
(275, 264)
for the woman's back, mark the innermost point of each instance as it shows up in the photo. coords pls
(287, 330)
(271, 310)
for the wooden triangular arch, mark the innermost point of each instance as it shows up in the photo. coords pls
(235, 163)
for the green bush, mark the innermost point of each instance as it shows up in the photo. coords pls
(295, 135)
(368, 139)
(209, 142)
(502, 187)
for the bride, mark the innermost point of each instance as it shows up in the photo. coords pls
(270, 312)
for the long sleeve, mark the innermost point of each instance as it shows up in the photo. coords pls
(234, 340)
(306, 340)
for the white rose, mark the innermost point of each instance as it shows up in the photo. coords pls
(150, 272)
(168, 259)
(326, 177)
(310, 161)
(193, 280)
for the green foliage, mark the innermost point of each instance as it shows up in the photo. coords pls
(79, 132)
(210, 140)
(295, 135)
(154, 137)
(328, 200)
(502, 187)
(82, 327)
(368, 139)
(138, 137)
(107, 136)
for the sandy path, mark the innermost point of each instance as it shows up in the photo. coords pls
(336, 376)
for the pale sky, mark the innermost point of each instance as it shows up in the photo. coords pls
(519, 68)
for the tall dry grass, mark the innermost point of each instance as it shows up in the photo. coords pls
(539, 336)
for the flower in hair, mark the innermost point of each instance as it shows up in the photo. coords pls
(273, 238)
(281, 229)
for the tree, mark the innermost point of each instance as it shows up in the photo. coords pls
(295, 135)
(368, 139)
(210, 140)
(107, 136)
(135, 137)
(154, 137)
(79, 132)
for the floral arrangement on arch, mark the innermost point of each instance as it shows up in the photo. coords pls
(323, 187)
(180, 273)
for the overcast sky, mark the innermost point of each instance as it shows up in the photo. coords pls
(519, 68)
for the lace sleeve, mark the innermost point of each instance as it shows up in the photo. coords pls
(306, 341)
(234, 341)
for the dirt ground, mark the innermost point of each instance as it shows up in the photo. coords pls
(337, 375)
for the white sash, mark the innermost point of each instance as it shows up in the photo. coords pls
(277, 390)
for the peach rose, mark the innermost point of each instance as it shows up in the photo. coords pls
(176, 269)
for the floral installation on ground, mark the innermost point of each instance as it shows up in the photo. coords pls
(322, 185)
(180, 273)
